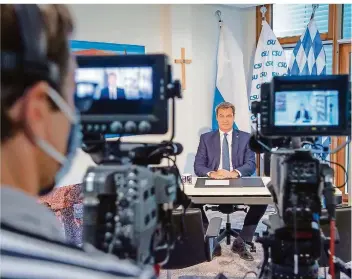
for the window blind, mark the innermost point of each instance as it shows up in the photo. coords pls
(291, 20)
(346, 21)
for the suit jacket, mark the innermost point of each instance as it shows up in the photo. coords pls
(208, 153)
(105, 93)
(306, 115)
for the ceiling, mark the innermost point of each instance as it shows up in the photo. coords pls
(241, 5)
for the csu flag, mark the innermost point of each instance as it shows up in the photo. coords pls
(230, 80)
(269, 61)
(308, 58)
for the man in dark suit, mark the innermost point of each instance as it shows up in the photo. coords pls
(225, 154)
(112, 92)
(302, 114)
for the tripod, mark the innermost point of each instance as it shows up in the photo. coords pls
(227, 232)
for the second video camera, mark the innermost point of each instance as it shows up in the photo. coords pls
(291, 109)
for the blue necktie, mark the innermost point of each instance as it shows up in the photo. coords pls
(225, 154)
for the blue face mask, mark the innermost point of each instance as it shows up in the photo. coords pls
(74, 142)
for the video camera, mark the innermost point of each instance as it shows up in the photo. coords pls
(127, 204)
(292, 109)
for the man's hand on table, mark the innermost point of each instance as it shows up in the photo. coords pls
(223, 174)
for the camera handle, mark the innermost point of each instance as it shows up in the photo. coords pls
(173, 91)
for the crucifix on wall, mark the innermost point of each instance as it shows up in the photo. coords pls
(183, 61)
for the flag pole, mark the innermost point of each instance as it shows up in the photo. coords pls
(218, 14)
(315, 7)
(263, 11)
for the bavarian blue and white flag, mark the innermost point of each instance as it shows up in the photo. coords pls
(308, 58)
(230, 80)
(269, 61)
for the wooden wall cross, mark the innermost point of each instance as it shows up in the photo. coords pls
(183, 61)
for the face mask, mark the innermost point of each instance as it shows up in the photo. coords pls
(74, 142)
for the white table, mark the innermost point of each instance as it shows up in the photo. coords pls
(231, 195)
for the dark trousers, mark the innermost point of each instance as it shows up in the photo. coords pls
(251, 221)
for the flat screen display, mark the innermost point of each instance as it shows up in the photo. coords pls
(306, 108)
(115, 83)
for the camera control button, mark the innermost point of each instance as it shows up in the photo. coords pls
(116, 127)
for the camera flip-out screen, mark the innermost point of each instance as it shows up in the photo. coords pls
(306, 106)
(122, 94)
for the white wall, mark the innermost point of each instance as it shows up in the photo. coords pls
(167, 28)
(123, 24)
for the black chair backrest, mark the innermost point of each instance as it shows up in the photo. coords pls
(190, 250)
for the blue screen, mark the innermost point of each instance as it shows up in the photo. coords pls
(306, 108)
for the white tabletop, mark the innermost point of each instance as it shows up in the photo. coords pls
(229, 195)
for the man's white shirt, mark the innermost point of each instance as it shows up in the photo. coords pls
(113, 93)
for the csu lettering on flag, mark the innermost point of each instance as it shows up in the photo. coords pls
(277, 53)
(267, 56)
(282, 65)
(265, 53)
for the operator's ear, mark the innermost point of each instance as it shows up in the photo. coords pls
(33, 109)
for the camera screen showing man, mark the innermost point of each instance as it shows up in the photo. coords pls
(305, 108)
(302, 114)
(117, 83)
(111, 91)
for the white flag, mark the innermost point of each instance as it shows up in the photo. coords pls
(231, 80)
(269, 61)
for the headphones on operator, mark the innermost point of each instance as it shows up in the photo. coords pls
(31, 63)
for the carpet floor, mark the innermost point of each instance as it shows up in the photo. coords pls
(230, 264)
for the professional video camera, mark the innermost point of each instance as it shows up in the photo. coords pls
(291, 110)
(128, 205)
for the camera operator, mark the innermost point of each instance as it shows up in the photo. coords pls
(38, 140)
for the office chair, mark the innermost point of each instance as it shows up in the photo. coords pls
(227, 232)
(195, 246)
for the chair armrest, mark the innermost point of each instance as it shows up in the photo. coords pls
(267, 223)
(213, 228)
(210, 238)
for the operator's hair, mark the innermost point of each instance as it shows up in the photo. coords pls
(58, 25)
(225, 105)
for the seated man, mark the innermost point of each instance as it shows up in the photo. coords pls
(225, 154)
(302, 114)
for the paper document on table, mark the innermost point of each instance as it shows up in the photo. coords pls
(217, 182)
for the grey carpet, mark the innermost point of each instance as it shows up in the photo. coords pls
(229, 263)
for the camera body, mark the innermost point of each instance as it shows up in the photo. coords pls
(127, 204)
(293, 108)
(123, 207)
